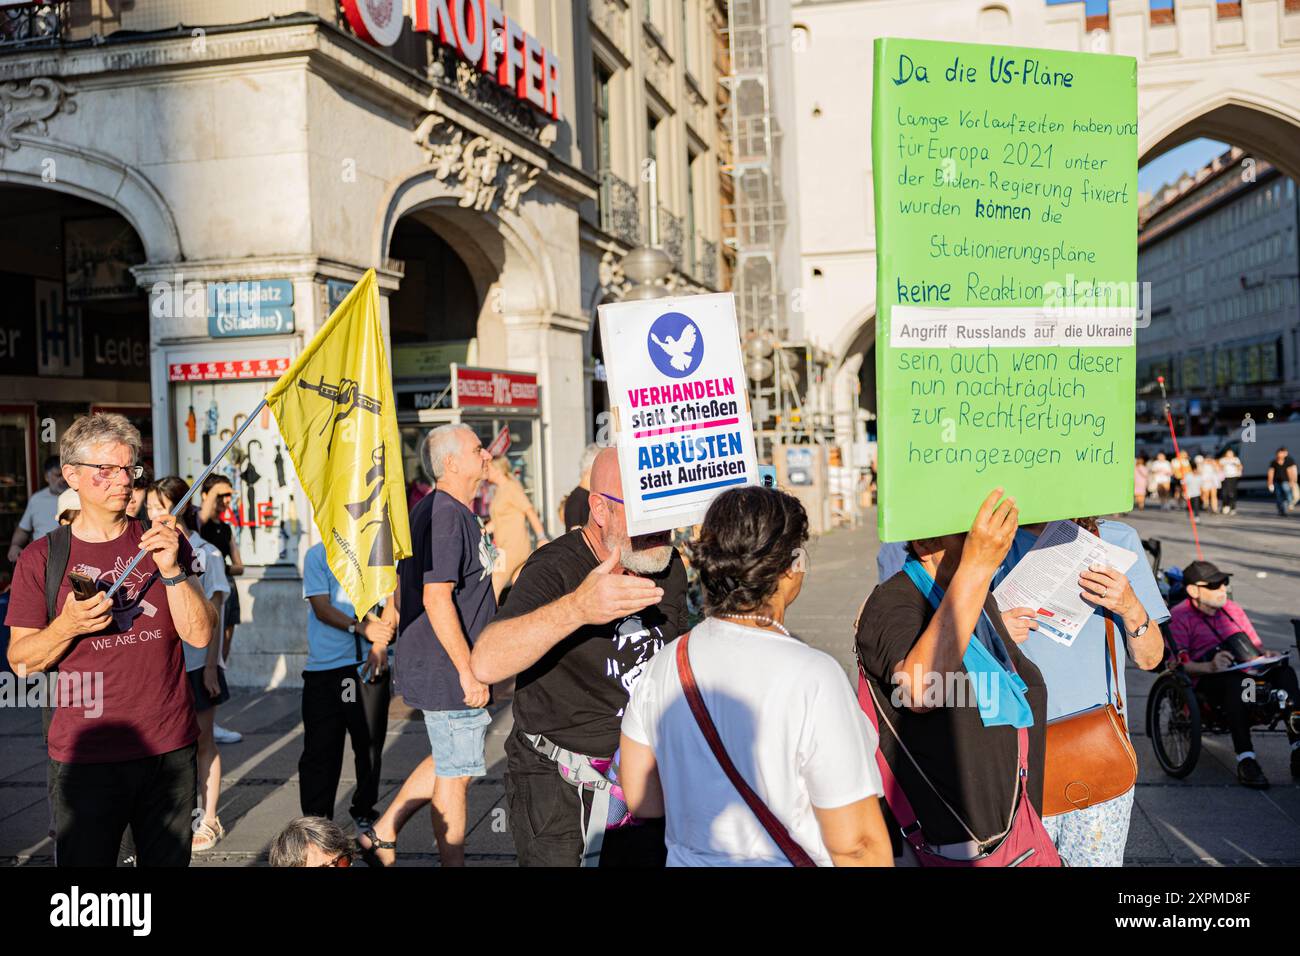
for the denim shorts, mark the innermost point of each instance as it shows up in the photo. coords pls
(456, 739)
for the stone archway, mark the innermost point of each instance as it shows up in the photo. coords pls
(498, 247)
(88, 174)
(1262, 124)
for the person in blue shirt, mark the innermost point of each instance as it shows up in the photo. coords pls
(1078, 677)
(346, 688)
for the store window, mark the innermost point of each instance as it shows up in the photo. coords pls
(74, 332)
(210, 401)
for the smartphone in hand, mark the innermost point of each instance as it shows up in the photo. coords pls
(83, 586)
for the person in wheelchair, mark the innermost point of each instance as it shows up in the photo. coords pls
(1212, 634)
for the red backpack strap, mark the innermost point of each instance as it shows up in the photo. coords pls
(897, 800)
(775, 829)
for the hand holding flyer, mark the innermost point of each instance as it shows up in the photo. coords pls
(1046, 578)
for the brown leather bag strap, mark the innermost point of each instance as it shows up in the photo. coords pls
(1114, 667)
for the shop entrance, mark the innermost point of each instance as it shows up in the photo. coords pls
(443, 320)
(74, 333)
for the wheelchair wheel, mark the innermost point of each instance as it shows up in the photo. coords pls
(1174, 725)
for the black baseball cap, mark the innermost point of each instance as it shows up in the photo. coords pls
(1203, 572)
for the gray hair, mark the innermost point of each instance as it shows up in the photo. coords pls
(588, 458)
(102, 428)
(438, 444)
(289, 848)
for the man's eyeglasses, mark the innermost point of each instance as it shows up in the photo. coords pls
(109, 472)
(610, 497)
(342, 860)
(1212, 587)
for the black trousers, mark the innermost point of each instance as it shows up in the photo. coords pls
(544, 818)
(1228, 496)
(333, 708)
(94, 803)
(1228, 690)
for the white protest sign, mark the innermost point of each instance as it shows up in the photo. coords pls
(680, 411)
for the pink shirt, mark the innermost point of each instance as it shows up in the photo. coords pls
(1196, 633)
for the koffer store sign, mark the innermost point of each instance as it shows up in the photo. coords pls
(480, 32)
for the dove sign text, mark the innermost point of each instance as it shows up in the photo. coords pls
(682, 423)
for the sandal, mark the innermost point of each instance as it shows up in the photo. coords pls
(207, 836)
(368, 853)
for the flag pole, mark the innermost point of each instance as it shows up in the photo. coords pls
(1191, 515)
(177, 508)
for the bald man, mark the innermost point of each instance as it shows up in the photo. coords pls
(586, 614)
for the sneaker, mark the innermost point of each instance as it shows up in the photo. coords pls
(364, 823)
(1250, 775)
(223, 736)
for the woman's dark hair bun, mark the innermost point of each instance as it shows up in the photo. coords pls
(749, 538)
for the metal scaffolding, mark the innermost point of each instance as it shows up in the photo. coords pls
(756, 228)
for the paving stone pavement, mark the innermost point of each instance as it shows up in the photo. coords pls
(1205, 819)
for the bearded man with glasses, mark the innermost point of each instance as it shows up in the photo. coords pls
(586, 615)
(122, 735)
(1213, 633)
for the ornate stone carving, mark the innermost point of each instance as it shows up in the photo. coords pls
(610, 17)
(29, 105)
(613, 283)
(486, 173)
(658, 65)
(452, 73)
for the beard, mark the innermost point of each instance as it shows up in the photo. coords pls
(1214, 600)
(644, 554)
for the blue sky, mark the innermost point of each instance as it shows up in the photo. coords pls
(1099, 6)
(1167, 167)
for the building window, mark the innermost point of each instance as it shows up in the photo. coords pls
(692, 241)
(602, 79)
(654, 188)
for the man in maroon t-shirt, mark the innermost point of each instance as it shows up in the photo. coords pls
(121, 742)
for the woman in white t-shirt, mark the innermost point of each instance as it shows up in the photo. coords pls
(203, 665)
(785, 712)
(1230, 465)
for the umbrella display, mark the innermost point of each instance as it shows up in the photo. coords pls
(209, 429)
(251, 477)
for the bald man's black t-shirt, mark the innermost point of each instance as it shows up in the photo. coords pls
(575, 695)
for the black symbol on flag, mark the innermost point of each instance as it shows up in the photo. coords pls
(381, 551)
(347, 397)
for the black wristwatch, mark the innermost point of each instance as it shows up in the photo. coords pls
(1143, 629)
(172, 582)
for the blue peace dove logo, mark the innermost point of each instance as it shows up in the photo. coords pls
(675, 345)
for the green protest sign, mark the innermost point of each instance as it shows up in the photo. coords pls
(1006, 236)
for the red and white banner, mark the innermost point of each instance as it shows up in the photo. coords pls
(481, 387)
(501, 444)
(227, 371)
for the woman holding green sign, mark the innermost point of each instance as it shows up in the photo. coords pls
(961, 710)
(1080, 677)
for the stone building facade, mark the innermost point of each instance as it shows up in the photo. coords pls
(160, 158)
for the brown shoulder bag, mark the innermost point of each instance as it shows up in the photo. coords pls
(1089, 757)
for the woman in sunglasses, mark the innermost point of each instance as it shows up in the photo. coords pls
(1214, 633)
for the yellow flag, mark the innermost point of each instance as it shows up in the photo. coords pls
(338, 419)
